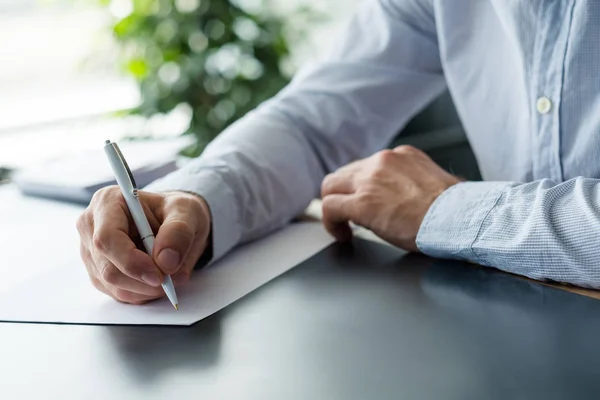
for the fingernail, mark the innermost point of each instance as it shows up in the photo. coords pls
(169, 260)
(151, 279)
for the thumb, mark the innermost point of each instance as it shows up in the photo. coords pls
(173, 240)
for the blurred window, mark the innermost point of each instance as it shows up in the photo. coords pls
(56, 72)
(60, 77)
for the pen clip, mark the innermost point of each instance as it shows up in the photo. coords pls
(126, 166)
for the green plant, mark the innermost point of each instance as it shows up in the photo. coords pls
(212, 57)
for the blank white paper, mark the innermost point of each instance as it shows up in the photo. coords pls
(65, 295)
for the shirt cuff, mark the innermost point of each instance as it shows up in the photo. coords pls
(453, 221)
(226, 227)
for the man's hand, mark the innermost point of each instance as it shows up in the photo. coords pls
(112, 250)
(388, 193)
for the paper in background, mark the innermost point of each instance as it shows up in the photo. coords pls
(76, 178)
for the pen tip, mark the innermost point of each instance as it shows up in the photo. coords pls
(107, 142)
(177, 307)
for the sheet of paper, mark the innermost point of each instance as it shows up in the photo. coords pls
(65, 295)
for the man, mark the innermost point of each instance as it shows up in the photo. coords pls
(525, 77)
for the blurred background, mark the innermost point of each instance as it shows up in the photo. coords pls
(74, 72)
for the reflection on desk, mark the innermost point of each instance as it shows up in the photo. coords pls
(353, 322)
(360, 321)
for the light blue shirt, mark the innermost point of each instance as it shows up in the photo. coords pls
(525, 78)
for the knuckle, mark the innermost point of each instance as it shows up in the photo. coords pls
(124, 296)
(82, 222)
(181, 228)
(325, 207)
(105, 192)
(85, 256)
(382, 162)
(326, 184)
(374, 174)
(99, 195)
(184, 211)
(182, 200)
(384, 157)
(107, 196)
(406, 149)
(197, 208)
(101, 240)
(193, 202)
(110, 274)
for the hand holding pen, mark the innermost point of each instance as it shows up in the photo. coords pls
(111, 246)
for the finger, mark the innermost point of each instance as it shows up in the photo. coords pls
(111, 239)
(337, 215)
(177, 233)
(114, 279)
(85, 227)
(120, 250)
(338, 183)
(116, 293)
(409, 150)
(125, 296)
(352, 167)
(121, 295)
(184, 274)
(86, 256)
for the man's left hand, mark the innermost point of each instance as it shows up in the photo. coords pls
(388, 193)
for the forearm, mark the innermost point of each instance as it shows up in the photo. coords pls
(542, 230)
(267, 167)
(255, 177)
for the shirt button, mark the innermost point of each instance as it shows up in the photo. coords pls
(543, 105)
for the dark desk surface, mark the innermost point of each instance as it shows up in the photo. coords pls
(353, 322)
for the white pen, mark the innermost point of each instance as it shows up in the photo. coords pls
(130, 193)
